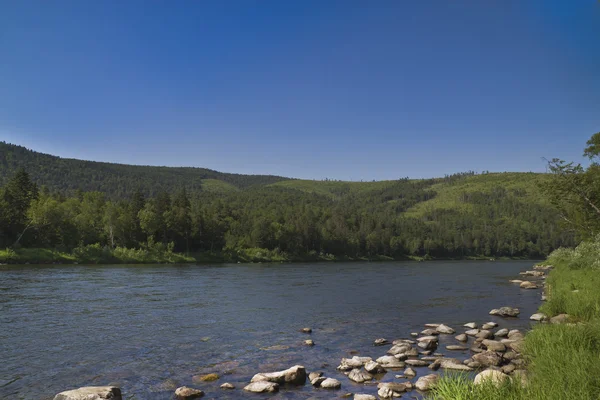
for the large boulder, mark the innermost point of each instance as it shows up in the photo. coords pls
(262, 387)
(425, 383)
(488, 358)
(91, 393)
(186, 393)
(490, 375)
(505, 312)
(295, 375)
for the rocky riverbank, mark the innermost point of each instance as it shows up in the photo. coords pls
(487, 351)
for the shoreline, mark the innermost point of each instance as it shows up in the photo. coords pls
(40, 256)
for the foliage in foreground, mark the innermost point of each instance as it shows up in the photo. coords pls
(563, 361)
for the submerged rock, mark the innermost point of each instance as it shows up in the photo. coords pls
(364, 397)
(91, 393)
(306, 330)
(206, 378)
(295, 375)
(186, 393)
(262, 387)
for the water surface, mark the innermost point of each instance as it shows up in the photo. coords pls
(149, 329)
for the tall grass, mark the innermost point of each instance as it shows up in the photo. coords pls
(563, 361)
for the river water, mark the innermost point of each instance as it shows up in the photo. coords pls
(149, 329)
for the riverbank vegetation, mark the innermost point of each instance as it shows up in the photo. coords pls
(468, 215)
(563, 359)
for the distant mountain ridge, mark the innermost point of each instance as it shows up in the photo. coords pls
(118, 180)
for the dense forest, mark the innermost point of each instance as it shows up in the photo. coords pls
(268, 218)
(116, 181)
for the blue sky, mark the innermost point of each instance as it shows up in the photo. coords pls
(312, 89)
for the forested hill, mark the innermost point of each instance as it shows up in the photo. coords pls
(250, 217)
(117, 180)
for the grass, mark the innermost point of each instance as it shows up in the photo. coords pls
(563, 361)
(217, 186)
(333, 189)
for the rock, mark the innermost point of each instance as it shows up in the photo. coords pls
(316, 382)
(488, 358)
(489, 325)
(403, 341)
(426, 382)
(461, 338)
(412, 352)
(508, 368)
(510, 355)
(453, 364)
(399, 349)
(429, 332)
(501, 333)
(520, 374)
(559, 319)
(186, 393)
(470, 325)
(516, 281)
(227, 385)
(494, 345)
(454, 347)
(314, 375)
(432, 325)
(494, 376)
(474, 365)
(484, 334)
(538, 317)
(409, 372)
(262, 387)
(331, 383)
(391, 389)
(417, 363)
(528, 285)
(517, 345)
(380, 342)
(514, 332)
(355, 362)
(91, 393)
(205, 378)
(532, 273)
(445, 329)
(542, 267)
(373, 367)
(306, 330)
(295, 375)
(414, 334)
(390, 362)
(472, 332)
(364, 397)
(309, 342)
(505, 312)
(359, 376)
(544, 298)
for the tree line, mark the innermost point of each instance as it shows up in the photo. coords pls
(495, 222)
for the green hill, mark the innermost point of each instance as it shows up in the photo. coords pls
(116, 180)
(462, 215)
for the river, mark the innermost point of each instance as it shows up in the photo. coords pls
(149, 329)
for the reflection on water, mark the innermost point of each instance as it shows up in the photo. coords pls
(150, 329)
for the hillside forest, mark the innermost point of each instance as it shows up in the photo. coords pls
(267, 218)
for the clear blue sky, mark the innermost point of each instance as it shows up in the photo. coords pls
(312, 89)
